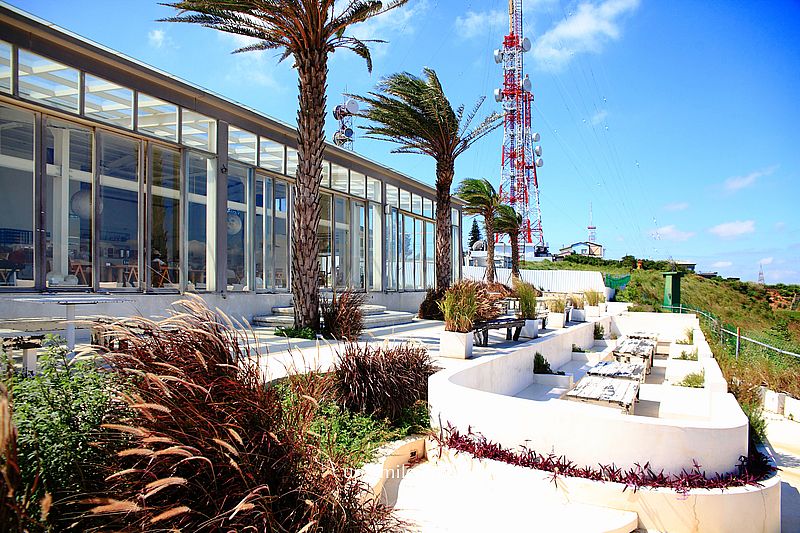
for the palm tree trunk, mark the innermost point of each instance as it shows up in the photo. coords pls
(514, 255)
(312, 67)
(488, 223)
(444, 179)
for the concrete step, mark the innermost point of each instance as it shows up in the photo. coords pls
(366, 310)
(387, 318)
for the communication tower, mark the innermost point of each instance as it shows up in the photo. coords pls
(519, 182)
(591, 227)
(344, 113)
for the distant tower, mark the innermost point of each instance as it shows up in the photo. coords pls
(760, 274)
(591, 227)
(519, 183)
(344, 114)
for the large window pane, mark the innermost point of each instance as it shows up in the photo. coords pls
(456, 255)
(405, 200)
(408, 252)
(165, 173)
(341, 262)
(430, 255)
(271, 155)
(418, 257)
(281, 229)
(427, 208)
(359, 261)
(5, 67)
(236, 224)
(69, 206)
(375, 247)
(242, 145)
(416, 204)
(198, 131)
(326, 174)
(374, 189)
(269, 247)
(200, 174)
(258, 234)
(339, 178)
(157, 117)
(292, 161)
(48, 82)
(108, 102)
(358, 183)
(325, 242)
(392, 195)
(392, 247)
(16, 200)
(118, 227)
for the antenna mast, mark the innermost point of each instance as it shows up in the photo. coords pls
(519, 182)
(591, 227)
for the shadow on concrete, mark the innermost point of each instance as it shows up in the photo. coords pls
(790, 508)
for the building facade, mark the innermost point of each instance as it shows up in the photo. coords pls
(117, 177)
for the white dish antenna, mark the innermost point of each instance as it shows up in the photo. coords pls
(351, 106)
(526, 84)
(540, 162)
(498, 95)
(536, 137)
(537, 150)
(498, 56)
(526, 44)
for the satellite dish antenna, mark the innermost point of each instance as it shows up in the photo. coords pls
(526, 84)
(498, 56)
(540, 162)
(351, 106)
(348, 132)
(536, 137)
(538, 150)
(526, 45)
(498, 95)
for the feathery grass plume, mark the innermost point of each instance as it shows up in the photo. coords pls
(342, 318)
(228, 451)
(593, 297)
(526, 293)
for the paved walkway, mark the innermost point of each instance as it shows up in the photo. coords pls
(784, 439)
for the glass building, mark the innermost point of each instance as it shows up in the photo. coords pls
(115, 176)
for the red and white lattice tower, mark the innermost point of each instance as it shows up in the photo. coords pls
(519, 182)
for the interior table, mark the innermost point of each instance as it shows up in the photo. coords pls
(70, 302)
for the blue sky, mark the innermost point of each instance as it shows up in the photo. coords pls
(679, 121)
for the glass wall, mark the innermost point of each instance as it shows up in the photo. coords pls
(325, 241)
(200, 176)
(118, 225)
(375, 247)
(281, 229)
(5, 67)
(419, 240)
(165, 210)
(48, 82)
(339, 178)
(358, 224)
(69, 210)
(236, 226)
(16, 201)
(430, 255)
(393, 249)
(358, 184)
(408, 252)
(198, 131)
(157, 118)
(108, 102)
(341, 259)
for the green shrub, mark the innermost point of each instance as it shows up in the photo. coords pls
(58, 414)
(689, 332)
(342, 318)
(694, 380)
(578, 349)
(429, 308)
(296, 333)
(599, 331)
(757, 428)
(688, 356)
(558, 305)
(526, 293)
(541, 365)
(459, 306)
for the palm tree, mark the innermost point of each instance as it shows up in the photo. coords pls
(509, 222)
(482, 199)
(308, 31)
(415, 114)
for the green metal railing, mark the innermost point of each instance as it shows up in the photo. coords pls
(728, 333)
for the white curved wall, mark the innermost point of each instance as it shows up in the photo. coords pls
(481, 397)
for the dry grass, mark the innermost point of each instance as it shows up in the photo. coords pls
(342, 317)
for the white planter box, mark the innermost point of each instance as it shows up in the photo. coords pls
(531, 329)
(455, 345)
(554, 380)
(577, 315)
(774, 402)
(592, 311)
(791, 408)
(555, 320)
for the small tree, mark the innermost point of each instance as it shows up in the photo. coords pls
(474, 234)
(507, 221)
(482, 199)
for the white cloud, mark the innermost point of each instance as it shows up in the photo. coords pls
(740, 182)
(671, 233)
(476, 23)
(157, 38)
(400, 21)
(729, 230)
(677, 206)
(722, 264)
(779, 226)
(599, 117)
(766, 261)
(585, 30)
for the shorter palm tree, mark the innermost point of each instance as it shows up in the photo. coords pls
(482, 199)
(508, 222)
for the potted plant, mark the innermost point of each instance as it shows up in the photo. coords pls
(578, 313)
(459, 305)
(526, 293)
(592, 309)
(557, 315)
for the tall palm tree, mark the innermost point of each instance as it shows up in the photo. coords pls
(308, 31)
(415, 114)
(509, 222)
(482, 199)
